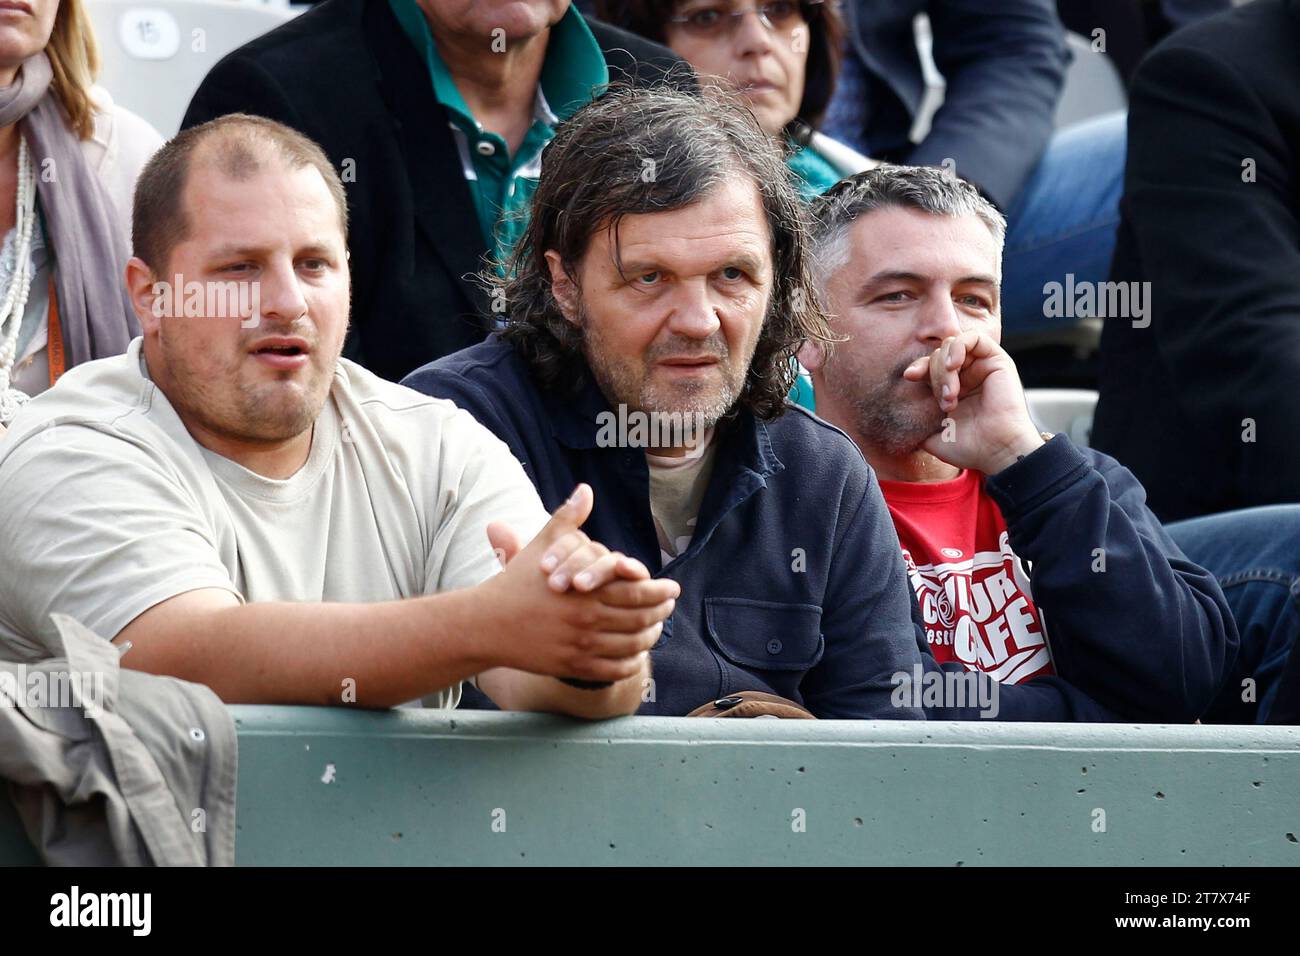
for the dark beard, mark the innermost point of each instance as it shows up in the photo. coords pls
(886, 418)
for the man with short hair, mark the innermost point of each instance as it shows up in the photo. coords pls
(1030, 556)
(435, 112)
(243, 508)
(1059, 187)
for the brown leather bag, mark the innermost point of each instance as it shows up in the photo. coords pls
(752, 703)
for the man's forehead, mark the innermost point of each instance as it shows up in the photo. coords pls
(912, 240)
(682, 246)
(209, 180)
(727, 220)
(274, 195)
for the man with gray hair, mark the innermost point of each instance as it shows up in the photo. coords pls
(1029, 556)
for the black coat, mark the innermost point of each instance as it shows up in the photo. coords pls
(1214, 107)
(346, 75)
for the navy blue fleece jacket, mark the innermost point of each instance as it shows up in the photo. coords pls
(794, 582)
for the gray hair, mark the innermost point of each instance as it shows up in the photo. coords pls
(926, 188)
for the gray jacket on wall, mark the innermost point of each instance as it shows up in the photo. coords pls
(139, 770)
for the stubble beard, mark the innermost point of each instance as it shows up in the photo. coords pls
(254, 412)
(888, 418)
(630, 383)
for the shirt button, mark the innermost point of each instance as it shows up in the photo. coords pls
(485, 148)
(774, 646)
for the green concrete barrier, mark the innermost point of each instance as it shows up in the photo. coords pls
(327, 786)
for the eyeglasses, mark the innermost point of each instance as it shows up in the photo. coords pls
(718, 22)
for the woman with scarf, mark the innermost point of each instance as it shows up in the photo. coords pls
(69, 159)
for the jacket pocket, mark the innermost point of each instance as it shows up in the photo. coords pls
(766, 635)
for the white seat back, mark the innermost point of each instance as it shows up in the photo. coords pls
(1093, 85)
(156, 52)
(1068, 410)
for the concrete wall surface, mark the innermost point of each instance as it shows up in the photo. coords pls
(334, 787)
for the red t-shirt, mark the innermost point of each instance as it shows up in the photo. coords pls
(974, 595)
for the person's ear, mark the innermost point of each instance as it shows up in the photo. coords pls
(150, 299)
(812, 356)
(562, 286)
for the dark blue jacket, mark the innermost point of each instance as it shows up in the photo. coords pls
(1004, 64)
(793, 583)
(1129, 619)
(796, 493)
(1136, 630)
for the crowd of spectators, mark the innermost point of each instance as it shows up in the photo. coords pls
(631, 355)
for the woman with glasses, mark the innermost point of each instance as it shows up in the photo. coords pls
(782, 56)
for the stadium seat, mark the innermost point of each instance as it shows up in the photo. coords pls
(1093, 85)
(156, 52)
(1068, 410)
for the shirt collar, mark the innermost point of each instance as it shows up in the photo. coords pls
(574, 68)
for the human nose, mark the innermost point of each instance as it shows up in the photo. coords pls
(694, 315)
(280, 294)
(939, 320)
(752, 34)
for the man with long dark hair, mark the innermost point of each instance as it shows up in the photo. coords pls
(653, 308)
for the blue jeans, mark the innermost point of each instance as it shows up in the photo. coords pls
(1255, 554)
(1064, 221)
